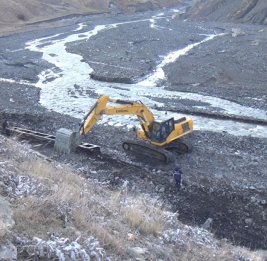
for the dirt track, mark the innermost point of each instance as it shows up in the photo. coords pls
(225, 175)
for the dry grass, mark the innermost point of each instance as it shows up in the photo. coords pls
(146, 219)
(138, 212)
(90, 208)
(68, 190)
(72, 190)
(37, 217)
(93, 210)
(109, 240)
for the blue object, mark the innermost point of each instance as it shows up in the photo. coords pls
(178, 170)
(177, 175)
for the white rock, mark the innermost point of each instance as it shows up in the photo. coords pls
(237, 32)
(137, 251)
(248, 221)
(176, 15)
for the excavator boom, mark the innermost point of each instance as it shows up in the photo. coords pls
(100, 108)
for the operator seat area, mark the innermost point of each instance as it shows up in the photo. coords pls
(159, 131)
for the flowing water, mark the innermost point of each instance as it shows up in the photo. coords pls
(64, 87)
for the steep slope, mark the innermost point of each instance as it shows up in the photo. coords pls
(251, 11)
(16, 13)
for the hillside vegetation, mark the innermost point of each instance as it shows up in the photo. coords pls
(59, 214)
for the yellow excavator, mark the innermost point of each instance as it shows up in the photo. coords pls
(155, 139)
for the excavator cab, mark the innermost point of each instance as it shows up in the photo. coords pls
(160, 131)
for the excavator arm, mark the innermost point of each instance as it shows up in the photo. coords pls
(101, 107)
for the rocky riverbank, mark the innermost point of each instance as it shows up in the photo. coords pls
(224, 176)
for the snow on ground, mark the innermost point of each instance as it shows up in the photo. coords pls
(64, 249)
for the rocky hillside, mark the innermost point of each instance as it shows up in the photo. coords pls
(16, 13)
(247, 11)
(49, 211)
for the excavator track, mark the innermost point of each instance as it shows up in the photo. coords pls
(146, 150)
(179, 147)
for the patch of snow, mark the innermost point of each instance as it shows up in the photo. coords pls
(64, 249)
(18, 186)
(27, 186)
(21, 82)
(198, 235)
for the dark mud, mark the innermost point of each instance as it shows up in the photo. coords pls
(224, 176)
(237, 216)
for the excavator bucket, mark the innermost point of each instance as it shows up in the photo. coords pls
(66, 141)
